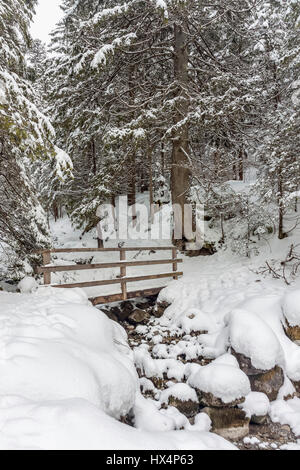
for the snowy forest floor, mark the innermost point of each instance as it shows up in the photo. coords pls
(164, 350)
(267, 436)
(56, 352)
(211, 287)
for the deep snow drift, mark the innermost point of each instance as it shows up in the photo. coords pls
(67, 375)
(55, 346)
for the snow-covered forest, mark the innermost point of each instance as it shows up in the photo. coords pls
(189, 111)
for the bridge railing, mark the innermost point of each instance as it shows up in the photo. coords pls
(47, 269)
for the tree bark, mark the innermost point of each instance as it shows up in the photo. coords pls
(241, 165)
(151, 201)
(94, 160)
(132, 186)
(281, 233)
(180, 175)
(162, 153)
(132, 181)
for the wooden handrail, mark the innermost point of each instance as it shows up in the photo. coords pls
(117, 281)
(90, 250)
(118, 264)
(123, 264)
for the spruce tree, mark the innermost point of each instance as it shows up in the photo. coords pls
(135, 78)
(25, 136)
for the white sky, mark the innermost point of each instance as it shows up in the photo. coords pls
(47, 16)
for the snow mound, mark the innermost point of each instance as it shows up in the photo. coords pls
(75, 424)
(180, 421)
(148, 417)
(183, 311)
(227, 359)
(181, 391)
(193, 320)
(27, 285)
(55, 345)
(146, 385)
(223, 381)
(256, 403)
(287, 412)
(251, 336)
(202, 422)
(291, 307)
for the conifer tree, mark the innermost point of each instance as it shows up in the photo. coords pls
(126, 87)
(25, 136)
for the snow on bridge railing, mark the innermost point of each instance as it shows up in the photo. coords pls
(47, 269)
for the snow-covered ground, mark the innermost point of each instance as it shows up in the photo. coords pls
(237, 308)
(68, 374)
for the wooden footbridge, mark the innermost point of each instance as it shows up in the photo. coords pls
(48, 268)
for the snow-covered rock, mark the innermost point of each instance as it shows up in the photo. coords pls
(27, 285)
(220, 385)
(287, 390)
(291, 311)
(291, 307)
(182, 391)
(256, 406)
(160, 309)
(251, 337)
(226, 359)
(269, 308)
(182, 397)
(148, 416)
(182, 313)
(202, 422)
(287, 412)
(146, 385)
(193, 320)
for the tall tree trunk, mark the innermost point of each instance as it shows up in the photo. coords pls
(151, 201)
(94, 161)
(132, 177)
(132, 185)
(162, 153)
(277, 100)
(180, 176)
(241, 165)
(55, 211)
(281, 233)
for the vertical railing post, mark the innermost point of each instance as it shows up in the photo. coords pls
(175, 264)
(46, 261)
(123, 274)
